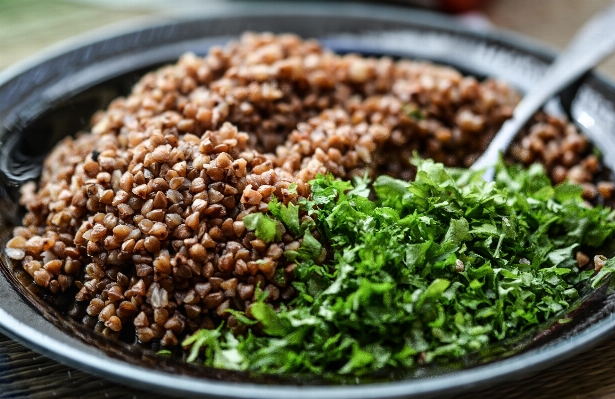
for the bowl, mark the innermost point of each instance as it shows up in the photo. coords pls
(54, 94)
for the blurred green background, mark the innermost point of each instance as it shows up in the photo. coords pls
(26, 26)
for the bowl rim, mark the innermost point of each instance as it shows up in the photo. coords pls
(127, 373)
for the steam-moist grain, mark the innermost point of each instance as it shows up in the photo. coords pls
(142, 216)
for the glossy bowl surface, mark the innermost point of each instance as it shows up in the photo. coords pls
(53, 94)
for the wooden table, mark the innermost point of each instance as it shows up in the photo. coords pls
(27, 26)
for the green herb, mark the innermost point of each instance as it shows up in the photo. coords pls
(413, 112)
(265, 228)
(220, 349)
(433, 269)
(164, 353)
(288, 215)
(241, 317)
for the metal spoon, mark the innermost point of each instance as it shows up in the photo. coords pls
(594, 41)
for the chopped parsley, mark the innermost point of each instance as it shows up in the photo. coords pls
(423, 271)
(414, 112)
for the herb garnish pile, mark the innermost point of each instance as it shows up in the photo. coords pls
(428, 270)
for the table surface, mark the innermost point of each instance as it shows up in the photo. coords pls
(27, 26)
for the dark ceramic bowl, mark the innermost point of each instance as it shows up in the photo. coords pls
(54, 95)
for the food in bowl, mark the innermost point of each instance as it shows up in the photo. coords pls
(260, 208)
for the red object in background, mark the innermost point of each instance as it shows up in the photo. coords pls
(460, 5)
(451, 6)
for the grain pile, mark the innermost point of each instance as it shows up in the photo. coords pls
(142, 216)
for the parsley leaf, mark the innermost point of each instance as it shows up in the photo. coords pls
(430, 270)
(265, 228)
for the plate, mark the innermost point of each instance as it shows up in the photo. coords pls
(53, 94)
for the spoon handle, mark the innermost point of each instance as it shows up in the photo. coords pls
(593, 43)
